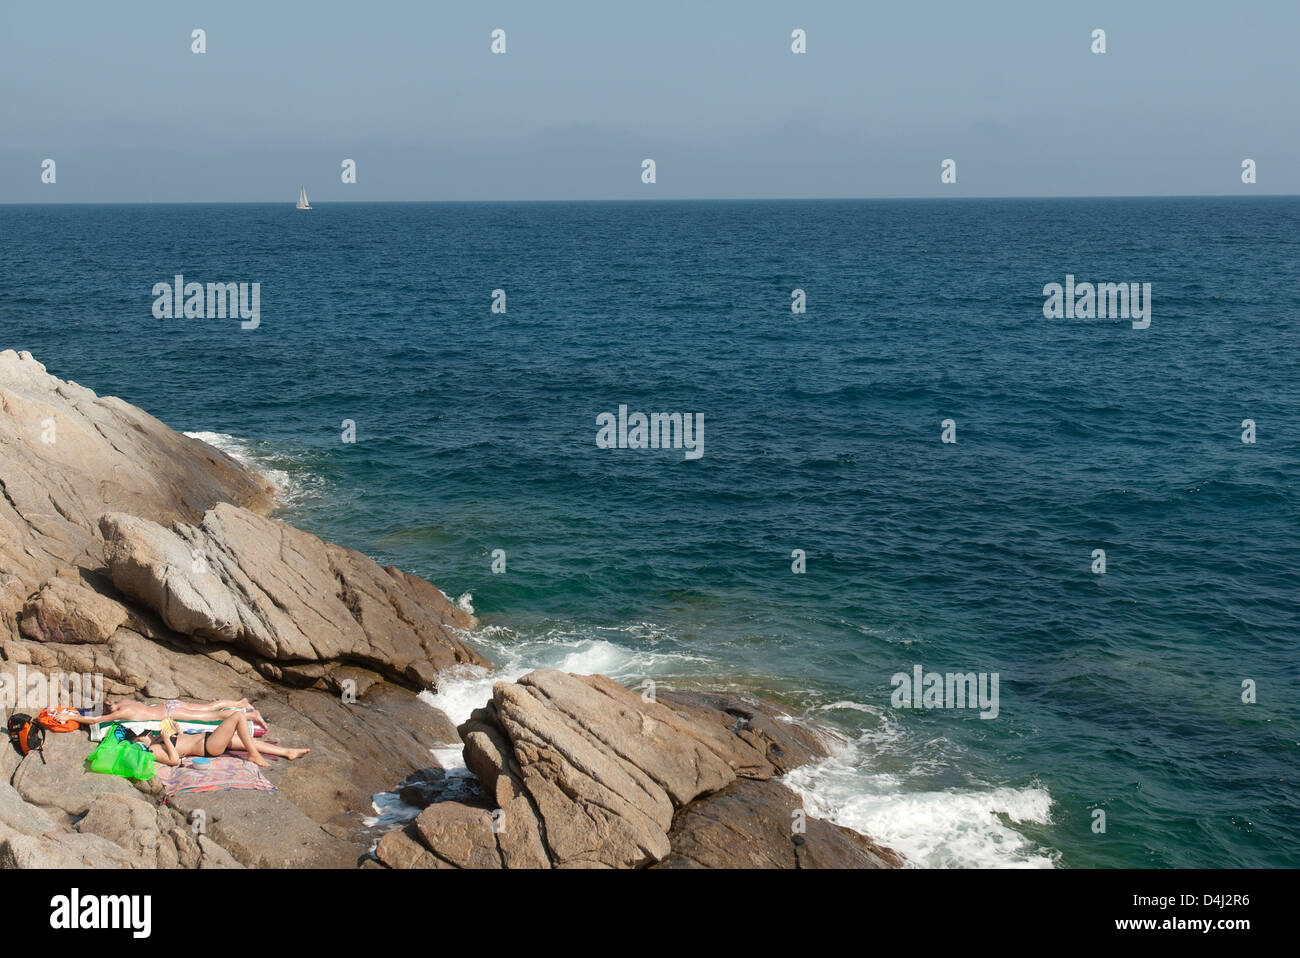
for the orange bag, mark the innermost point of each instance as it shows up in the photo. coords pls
(50, 720)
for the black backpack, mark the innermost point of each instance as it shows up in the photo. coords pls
(27, 734)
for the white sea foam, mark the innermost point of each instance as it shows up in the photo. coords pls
(390, 811)
(851, 706)
(960, 828)
(584, 651)
(458, 784)
(292, 484)
(869, 783)
(464, 688)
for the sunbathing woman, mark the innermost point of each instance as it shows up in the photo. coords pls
(171, 748)
(128, 711)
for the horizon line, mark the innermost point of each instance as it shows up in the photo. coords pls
(685, 199)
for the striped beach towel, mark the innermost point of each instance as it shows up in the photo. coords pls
(222, 772)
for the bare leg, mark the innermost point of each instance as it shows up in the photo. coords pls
(225, 705)
(290, 753)
(218, 704)
(220, 737)
(250, 743)
(253, 714)
(236, 725)
(201, 713)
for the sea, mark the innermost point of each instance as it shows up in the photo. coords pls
(827, 539)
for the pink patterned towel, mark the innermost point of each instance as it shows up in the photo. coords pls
(224, 771)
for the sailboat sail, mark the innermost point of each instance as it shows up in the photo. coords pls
(302, 199)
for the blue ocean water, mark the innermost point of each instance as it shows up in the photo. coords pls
(476, 431)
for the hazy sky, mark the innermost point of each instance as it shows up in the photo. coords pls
(710, 90)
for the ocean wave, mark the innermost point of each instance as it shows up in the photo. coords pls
(959, 828)
(849, 706)
(464, 688)
(966, 828)
(581, 650)
(293, 484)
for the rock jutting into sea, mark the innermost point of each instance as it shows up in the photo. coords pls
(135, 553)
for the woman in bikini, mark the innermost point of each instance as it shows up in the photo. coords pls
(172, 748)
(128, 711)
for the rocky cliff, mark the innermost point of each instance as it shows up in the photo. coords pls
(135, 553)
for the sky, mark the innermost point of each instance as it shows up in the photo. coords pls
(711, 91)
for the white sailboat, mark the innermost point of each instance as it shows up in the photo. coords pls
(302, 199)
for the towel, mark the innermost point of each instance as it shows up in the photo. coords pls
(222, 772)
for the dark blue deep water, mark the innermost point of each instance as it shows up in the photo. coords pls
(476, 431)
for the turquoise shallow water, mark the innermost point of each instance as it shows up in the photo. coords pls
(1119, 692)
